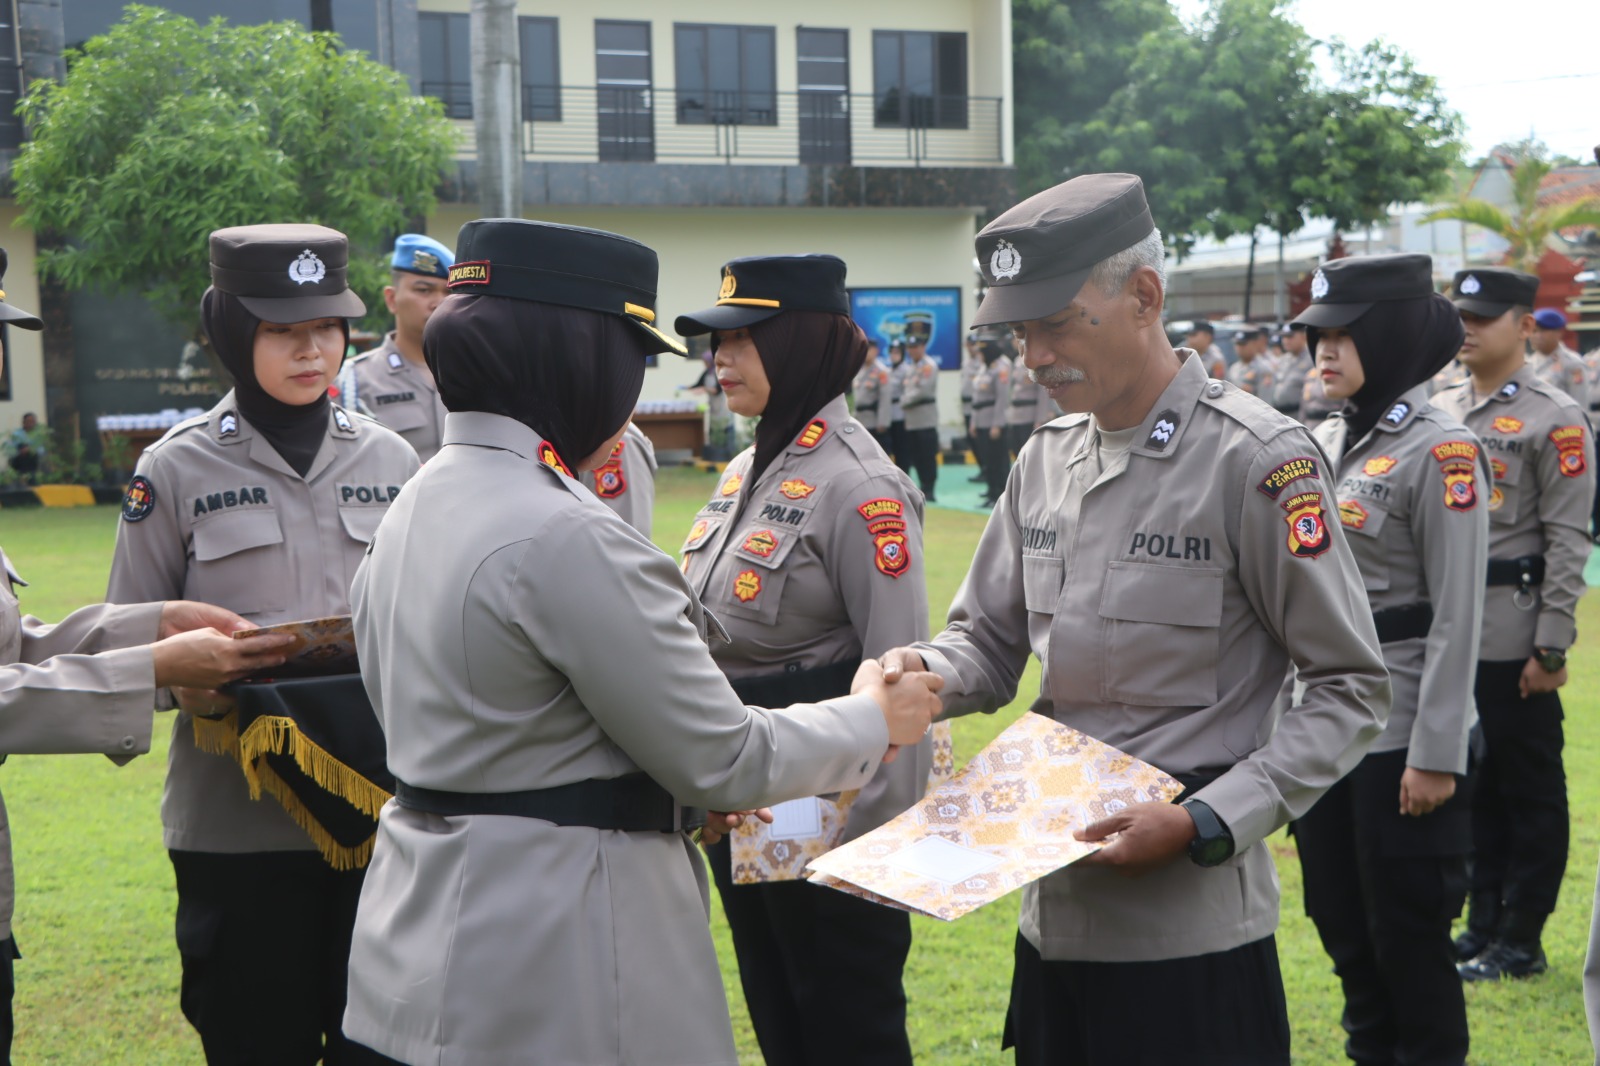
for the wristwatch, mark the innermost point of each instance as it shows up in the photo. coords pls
(1213, 844)
(1551, 660)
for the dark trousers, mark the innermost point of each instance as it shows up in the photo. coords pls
(1594, 509)
(884, 441)
(265, 939)
(821, 971)
(897, 445)
(994, 460)
(1519, 812)
(1223, 1009)
(1017, 436)
(923, 446)
(8, 984)
(1382, 889)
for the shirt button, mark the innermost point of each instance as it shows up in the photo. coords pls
(1214, 389)
(128, 743)
(849, 429)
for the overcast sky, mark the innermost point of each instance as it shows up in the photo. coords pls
(1504, 77)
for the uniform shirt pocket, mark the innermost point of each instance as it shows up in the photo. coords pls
(240, 562)
(1042, 576)
(755, 564)
(398, 415)
(1505, 492)
(1363, 523)
(1162, 634)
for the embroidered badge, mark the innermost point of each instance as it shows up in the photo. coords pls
(1470, 285)
(731, 486)
(893, 553)
(228, 425)
(1572, 450)
(342, 420)
(1458, 462)
(1496, 498)
(883, 507)
(307, 268)
(729, 284)
(1455, 449)
(1510, 389)
(1006, 262)
(472, 273)
(1308, 534)
(1352, 515)
(395, 362)
(812, 434)
(1161, 433)
(1379, 465)
(1498, 468)
(609, 482)
(1285, 475)
(1397, 413)
(796, 489)
(426, 262)
(1319, 286)
(762, 542)
(697, 532)
(1504, 424)
(548, 456)
(747, 586)
(140, 499)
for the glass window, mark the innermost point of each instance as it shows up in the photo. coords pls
(727, 75)
(444, 42)
(624, 104)
(919, 79)
(541, 70)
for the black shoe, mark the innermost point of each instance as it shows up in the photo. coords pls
(1483, 924)
(977, 479)
(1505, 959)
(1472, 943)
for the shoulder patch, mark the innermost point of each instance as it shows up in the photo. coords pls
(1455, 449)
(139, 500)
(892, 554)
(1572, 449)
(1507, 424)
(813, 433)
(883, 507)
(1378, 466)
(1286, 474)
(1458, 462)
(609, 481)
(1308, 533)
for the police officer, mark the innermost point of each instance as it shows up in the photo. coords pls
(264, 505)
(990, 390)
(810, 551)
(1539, 448)
(1201, 338)
(871, 391)
(392, 383)
(1384, 851)
(919, 398)
(1292, 368)
(1553, 362)
(898, 369)
(548, 700)
(1167, 550)
(626, 481)
(1027, 405)
(1253, 371)
(971, 363)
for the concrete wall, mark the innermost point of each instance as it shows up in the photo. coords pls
(24, 353)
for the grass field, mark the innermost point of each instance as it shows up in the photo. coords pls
(99, 980)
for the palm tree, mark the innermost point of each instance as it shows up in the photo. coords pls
(1529, 225)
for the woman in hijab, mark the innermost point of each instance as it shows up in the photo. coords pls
(810, 552)
(549, 703)
(1384, 851)
(265, 506)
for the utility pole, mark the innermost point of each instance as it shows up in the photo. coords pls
(497, 106)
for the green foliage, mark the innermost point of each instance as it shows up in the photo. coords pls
(166, 129)
(1529, 225)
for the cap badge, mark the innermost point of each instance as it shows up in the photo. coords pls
(1319, 285)
(307, 268)
(425, 261)
(728, 285)
(1006, 262)
(1470, 285)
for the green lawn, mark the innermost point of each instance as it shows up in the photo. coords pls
(100, 977)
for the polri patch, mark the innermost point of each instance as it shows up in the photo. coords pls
(747, 586)
(139, 500)
(796, 489)
(812, 435)
(1506, 424)
(1571, 449)
(1308, 533)
(1497, 498)
(1287, 474)
(1379, 465)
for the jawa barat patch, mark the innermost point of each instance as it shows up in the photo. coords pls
(1308, 533)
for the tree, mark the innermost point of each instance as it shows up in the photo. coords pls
(165, 129)
(1529, 225)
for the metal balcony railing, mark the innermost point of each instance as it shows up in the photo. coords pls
(624, 123)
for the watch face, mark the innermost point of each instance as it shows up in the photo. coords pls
(1211, 852)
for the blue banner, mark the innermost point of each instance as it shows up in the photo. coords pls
(888, 315)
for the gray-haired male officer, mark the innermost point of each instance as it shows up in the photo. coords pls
(1167, 550)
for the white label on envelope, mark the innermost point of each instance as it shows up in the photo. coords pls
(799, 819)
(939, 860)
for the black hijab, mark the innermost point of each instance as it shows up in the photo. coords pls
(1402, 343)
(294, 431)
(810, 358)
(572, 376)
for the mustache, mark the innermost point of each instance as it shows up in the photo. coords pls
(1053, 377)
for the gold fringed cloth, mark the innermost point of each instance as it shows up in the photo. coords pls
(315, 747)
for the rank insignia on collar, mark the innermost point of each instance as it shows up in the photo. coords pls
(796, 489)
(1397, 413)
(1308, 534)
(1379, 466)
(812, 433)
(762, 542)
(228, 425)
(1572, 448)
(549, 457)
(1285, 474)
(1505, 424)
(395, 362)
(747, 586)
(731, 486)
(342, 420)
(140, 499)
(608, 480)
(1352, 515)
(1510, 389)
(1161, 433)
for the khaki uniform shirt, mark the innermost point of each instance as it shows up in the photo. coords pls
(515, 634)
(1289, 377)
(897, 390)
(1214, 361)
(818, 562)
(991, 389)
(1452, 375)
(1254, 377)
(1414, 503)
(397, 393)
(920, 397)
(1564, 370)
(970, 365)
(874, 407)
(1028, 404)
(626, 482)
(1539, 448)
(1166, 596)
(1591, 360)
(229, 522)
(84, 686)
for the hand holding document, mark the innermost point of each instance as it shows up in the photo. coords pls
(321, 647)
(1005, 820)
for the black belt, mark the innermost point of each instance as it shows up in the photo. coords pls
(633, 803)
(796, 685)
(916, 403)
(1524, 572)
(976, 406)
(1594, 407)
(1026, 403)
(866, 407)
(1403, 623)
(1288, 409)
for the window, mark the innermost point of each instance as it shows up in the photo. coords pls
(919, 79)
(624, 106)
(444, 41)
(541, 69)
(727, 75)
(10, 81)
(823, 80)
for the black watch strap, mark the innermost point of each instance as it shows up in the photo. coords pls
(1213, 844)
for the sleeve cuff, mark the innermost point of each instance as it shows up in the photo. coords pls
(1555, 631)
(865, 719)
(1242, 806)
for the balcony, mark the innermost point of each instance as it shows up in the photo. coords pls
(630, 124)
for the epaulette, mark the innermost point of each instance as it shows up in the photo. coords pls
(1553, 394)
(197, 422)
(1262, 419)
(1065, 422)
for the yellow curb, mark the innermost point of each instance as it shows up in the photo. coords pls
(64, 495)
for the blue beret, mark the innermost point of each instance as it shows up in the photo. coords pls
(1549, 318)
(416, 254)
